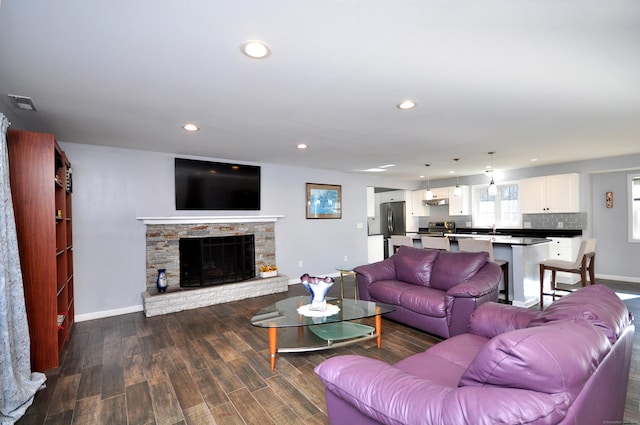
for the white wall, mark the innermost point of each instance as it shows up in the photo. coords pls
(615, 256)
(111, 187)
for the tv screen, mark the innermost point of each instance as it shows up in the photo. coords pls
(206, 185)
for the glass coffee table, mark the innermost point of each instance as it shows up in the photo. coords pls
(291, 332)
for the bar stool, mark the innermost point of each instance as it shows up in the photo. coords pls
(398, 240)
(436, 242)
(481, 245)
(585, 261)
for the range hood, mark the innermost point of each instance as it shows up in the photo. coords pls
(439, 201)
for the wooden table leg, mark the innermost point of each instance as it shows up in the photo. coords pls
(273, 346)
(378, 320)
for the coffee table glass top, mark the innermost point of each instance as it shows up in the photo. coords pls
(284, 313)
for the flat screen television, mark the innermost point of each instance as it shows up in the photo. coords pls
(206, 185)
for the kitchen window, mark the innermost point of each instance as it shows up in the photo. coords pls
(634, 207)
(503, 209)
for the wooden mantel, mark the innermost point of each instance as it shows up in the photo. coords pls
(211, 219)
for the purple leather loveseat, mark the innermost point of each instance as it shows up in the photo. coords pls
(435, 291)
(566, 365)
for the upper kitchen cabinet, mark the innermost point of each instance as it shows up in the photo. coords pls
(440, 193)
(419, 208)
(371, 202)
(392, 196)
(460, 205)
(550, 194)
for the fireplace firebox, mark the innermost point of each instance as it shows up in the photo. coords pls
(216, 260)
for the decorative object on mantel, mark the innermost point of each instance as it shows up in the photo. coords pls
(318, 288)
(324, 200)
(268, 271)
(609, 199)
(161, 282)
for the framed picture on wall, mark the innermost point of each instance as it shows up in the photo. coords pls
(324, 201)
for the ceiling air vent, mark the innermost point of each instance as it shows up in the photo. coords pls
(23, 103)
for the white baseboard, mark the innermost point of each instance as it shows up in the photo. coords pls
(108, 313)
(620, 278)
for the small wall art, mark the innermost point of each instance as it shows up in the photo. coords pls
(609, 199)
(324, 201)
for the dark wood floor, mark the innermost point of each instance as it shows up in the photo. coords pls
(210, 366)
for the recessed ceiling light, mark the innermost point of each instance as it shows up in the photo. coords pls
(405, 105)
(387, 166)
(302, 146)
(375, 170)
(255, 49)
(533, 159)
(191, 127)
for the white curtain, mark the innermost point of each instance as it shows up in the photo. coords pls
(18, 384)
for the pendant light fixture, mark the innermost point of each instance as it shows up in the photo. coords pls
(493, 189)
(428, 194)
(457, 192)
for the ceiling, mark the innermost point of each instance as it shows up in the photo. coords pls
(547, 79)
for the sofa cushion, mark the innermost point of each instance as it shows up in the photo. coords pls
(445, 362)
(423, 300)
(452, 268)
(598, 304)
(413, 265)
(556, 358)
(388, 291)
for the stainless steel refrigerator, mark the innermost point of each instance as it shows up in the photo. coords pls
(392, 219)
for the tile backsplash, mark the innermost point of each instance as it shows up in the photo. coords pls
(556, 221)
(574, 221)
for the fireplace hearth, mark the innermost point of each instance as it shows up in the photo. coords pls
(216, 260)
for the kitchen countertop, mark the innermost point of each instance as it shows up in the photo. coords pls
(501, 239)
(528, 233)
(496, 239)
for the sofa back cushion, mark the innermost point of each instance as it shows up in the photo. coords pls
(556, 358)
(414, 265)
(452, 268)
(598, 304)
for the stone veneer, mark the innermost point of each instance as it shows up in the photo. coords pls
(163, 253)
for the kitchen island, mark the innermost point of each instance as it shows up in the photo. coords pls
(524, 255)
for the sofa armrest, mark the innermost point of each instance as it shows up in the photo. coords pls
(391, 396)
(369, 273)
(491, 319)
(382, 392)
(485, 281)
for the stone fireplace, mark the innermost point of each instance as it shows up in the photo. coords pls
(163, 252)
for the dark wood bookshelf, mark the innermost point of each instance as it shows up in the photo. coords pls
(41, 190)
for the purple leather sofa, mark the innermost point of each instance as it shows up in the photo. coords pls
(566, 365)
(435, 291)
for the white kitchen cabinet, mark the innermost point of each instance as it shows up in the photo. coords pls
(462, 204)
(375, 251)
(565, 249)
(392, 196)
(419, 208)
(550, 194)
(371, 202)
(440, 192)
